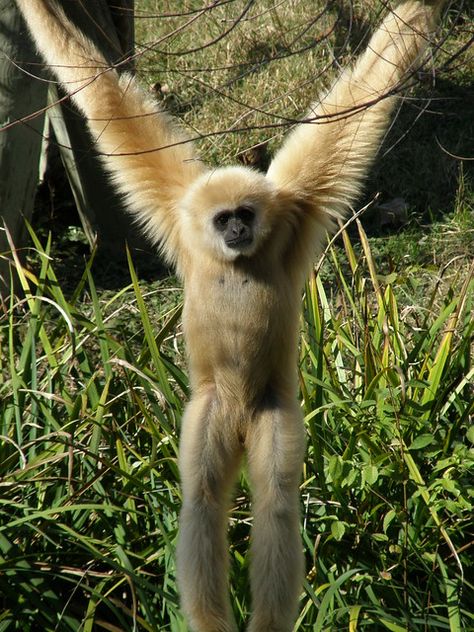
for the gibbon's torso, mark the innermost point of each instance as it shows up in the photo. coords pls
(240, 322)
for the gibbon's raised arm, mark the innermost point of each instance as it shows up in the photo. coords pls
(326, 160)
(128, 127)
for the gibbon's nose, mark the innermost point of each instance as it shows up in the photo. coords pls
(237, 234)
(238, 231)
(237, 228)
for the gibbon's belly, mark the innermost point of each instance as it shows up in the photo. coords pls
(240, 331)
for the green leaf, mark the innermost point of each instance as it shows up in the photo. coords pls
(335, 468)
(393, 627)
(379, 537)
(452, 589)
(470, 433)
(421, 442)
(370, 474)
(354, 613)
(337, 530)
(388, 518)
(328, 598)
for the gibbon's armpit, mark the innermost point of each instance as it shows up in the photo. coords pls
(243, 243)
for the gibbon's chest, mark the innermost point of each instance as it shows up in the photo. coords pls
(230, 300)
(235, 317)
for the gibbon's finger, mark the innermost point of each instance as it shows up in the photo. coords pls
(324, 162)
(141, 146)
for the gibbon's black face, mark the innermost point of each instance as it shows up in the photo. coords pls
(236, 226)
(229, 211)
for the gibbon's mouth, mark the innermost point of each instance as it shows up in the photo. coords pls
(239, 242)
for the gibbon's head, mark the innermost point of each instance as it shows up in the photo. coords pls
(227, 210)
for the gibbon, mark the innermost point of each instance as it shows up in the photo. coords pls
(243, 243)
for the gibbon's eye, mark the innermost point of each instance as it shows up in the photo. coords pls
(246, 214)
(221, 220)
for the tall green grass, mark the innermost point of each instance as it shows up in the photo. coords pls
(88, 473)
(89, 424)
(388, 398)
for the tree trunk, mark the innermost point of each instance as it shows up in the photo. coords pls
(110, 24)
(20, 144)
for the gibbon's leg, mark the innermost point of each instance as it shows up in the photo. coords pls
(210, 454)
(275, 445)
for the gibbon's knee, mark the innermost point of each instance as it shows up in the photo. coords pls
(209, 452)
(275, 446)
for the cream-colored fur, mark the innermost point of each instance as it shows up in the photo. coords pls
(241, 306)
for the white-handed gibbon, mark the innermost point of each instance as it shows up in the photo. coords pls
(243, 243)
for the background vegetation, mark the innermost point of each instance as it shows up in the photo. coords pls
(93, 379)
